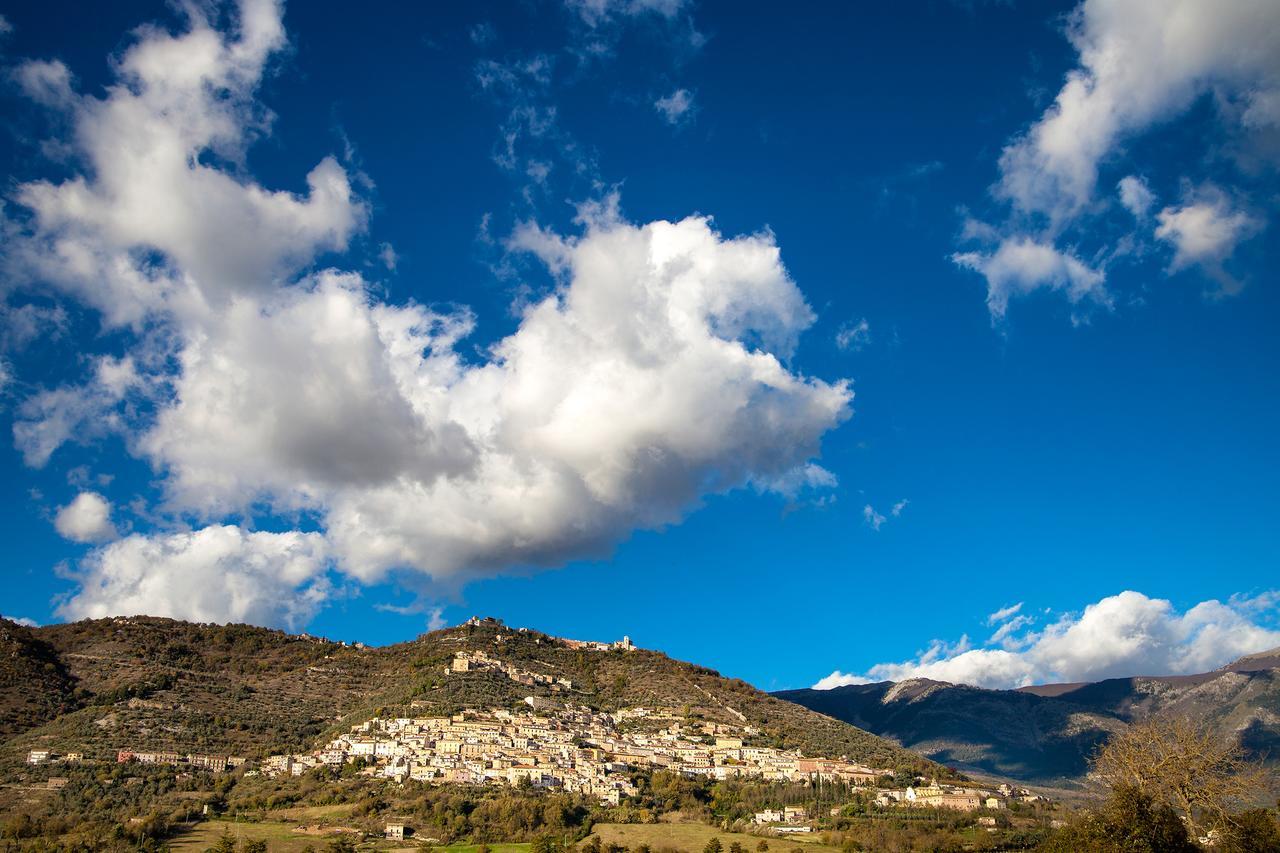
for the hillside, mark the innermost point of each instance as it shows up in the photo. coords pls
(1046, 734)
(35, 686)
(148, 683)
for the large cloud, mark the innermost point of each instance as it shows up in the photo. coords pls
(655, 372)
(1122, 635)
(620, 400)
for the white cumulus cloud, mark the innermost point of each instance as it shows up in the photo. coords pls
(86, 519)
(1121, 635)
(656, 371)
(147, 189)
(1205, 230)
(215, 574)
(651, 378)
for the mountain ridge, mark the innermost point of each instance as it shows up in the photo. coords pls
(1044, 734)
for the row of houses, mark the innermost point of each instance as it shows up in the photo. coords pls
(48, 756)
(786, 814)
(937, 796)
(216, 763)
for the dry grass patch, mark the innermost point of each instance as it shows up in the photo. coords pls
(279, 836)
(313, 814)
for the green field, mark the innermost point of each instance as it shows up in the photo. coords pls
(692, 837)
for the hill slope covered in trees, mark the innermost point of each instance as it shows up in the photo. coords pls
(156, 684)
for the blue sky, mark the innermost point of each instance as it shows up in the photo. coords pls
(955, 315)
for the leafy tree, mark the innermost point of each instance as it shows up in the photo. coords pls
(1253, 831)
(713, 846)
(543, 844)
(1131, 821)
(225, 844)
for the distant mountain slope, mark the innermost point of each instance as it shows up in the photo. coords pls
(1046, 734)
(147, 683)
(1269, 659)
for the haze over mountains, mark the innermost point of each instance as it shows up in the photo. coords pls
(1045, 734)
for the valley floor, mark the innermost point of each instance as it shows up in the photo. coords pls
(295, 835)
(285, 836)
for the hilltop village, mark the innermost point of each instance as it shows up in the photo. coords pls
(551, 743)
(561, 746)
(543, 726)
(557, 745)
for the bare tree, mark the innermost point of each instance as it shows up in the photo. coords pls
(1178, 761)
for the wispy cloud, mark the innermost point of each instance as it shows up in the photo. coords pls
(1004, 613)
(1136, 70)
(875, 520)
(676, 108)
(854, 335)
